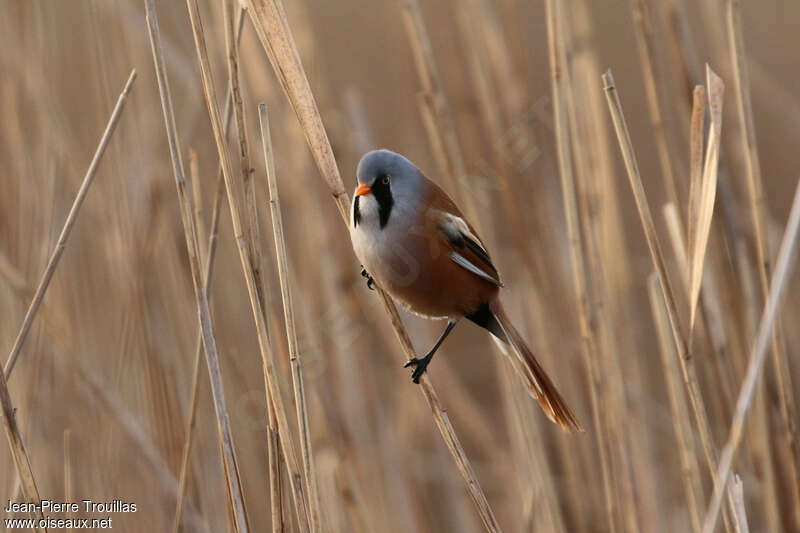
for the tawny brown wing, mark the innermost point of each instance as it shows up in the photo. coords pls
(467, 251)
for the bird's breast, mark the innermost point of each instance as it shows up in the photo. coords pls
(411, 261)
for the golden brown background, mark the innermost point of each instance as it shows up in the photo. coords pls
(107, 367)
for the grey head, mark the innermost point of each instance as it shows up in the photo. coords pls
(389, 186)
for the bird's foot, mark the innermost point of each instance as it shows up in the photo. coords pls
(370, 281)
(419, 364)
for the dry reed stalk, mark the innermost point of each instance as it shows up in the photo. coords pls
(738, 498)
(692, 483)
(758, 212)
(274, 465)
(229, 462)
(248, 183)
(232, 38)
(688, 370)
(197, 201)
(291, 333)
(703, 203)
(589, 350)
(696, 134)
(208, 270)
(653, 82)
(783, 270)
(269, 20)
(55, 256)
(18, 452)
(267, 357)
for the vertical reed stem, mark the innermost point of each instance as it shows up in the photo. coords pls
(291, 333)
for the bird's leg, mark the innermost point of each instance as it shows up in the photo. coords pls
(370, 281)
(421, 363)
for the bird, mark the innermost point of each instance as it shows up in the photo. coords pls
(414, 243)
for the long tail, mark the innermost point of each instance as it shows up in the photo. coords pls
(494, 319)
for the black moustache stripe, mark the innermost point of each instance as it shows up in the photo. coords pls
(383, 194)
(356, 212)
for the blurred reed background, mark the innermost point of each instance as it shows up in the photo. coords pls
(103, 384)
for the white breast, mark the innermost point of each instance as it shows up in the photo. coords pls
(384, 252)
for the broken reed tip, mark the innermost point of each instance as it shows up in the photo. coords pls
(608, 80)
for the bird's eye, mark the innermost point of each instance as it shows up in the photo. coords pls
(385, 180)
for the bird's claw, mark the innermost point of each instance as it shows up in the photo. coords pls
(370, 280)
(420, 364)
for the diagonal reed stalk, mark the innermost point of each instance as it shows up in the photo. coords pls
(229, 461)
(21, 460)
(687, 366)
(282, 259)
(780, 281)
(273, 31)
(208, 270)
(267, 357)
(55, 256)
(589, 350)
(18, 451)
(758, 212)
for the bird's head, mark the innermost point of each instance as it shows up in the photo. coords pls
(386, 180)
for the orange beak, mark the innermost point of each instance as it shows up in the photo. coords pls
(363, 189)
